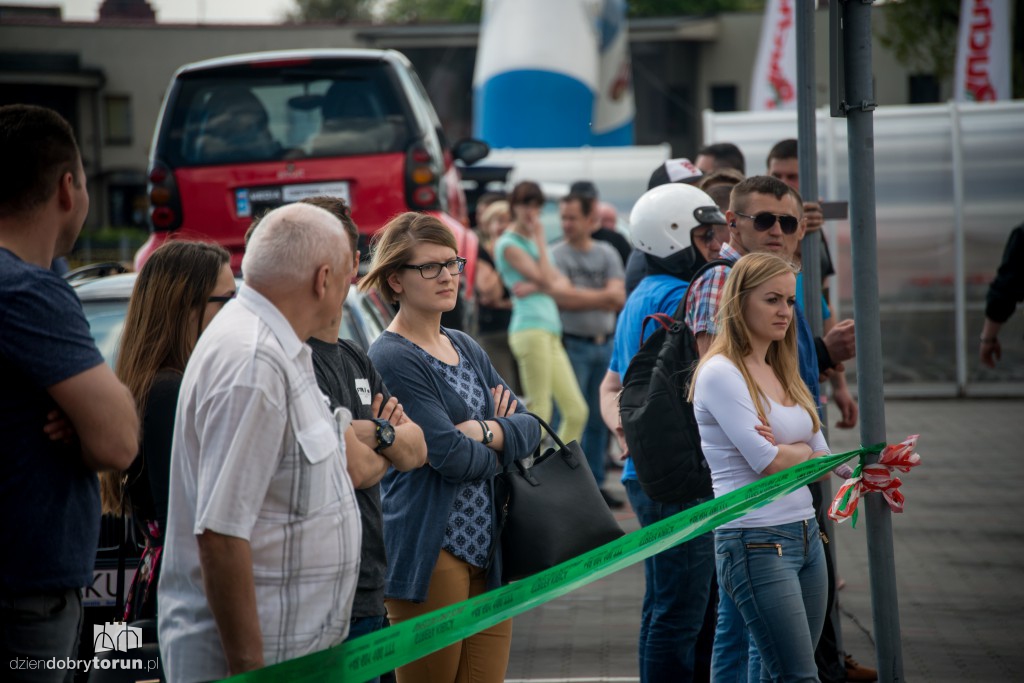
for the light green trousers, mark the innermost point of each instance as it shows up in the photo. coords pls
(545, 373)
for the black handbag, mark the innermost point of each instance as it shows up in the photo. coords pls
(551, 511)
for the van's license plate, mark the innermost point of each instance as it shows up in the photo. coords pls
(256, 200)
(103, 591)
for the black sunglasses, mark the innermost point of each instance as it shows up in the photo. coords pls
(714, 232)
(221, 299)
(431, 271)
(765, 220)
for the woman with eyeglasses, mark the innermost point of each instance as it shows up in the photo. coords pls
(440, 521)
(757, 417)
(177, 293)
(535, 330)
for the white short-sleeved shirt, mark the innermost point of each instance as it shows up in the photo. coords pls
(736, 453)
(257, 455)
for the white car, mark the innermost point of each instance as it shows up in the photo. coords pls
(105, 302)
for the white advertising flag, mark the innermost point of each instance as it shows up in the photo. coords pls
(774, 83)
(983, 52)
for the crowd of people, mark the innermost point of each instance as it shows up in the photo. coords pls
(295, 491)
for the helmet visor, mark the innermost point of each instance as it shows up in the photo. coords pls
(709, 215)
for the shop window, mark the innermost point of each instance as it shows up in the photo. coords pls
(924, 89)
(723, 97)
(118, 119)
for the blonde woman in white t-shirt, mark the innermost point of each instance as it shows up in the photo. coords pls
(757, 418)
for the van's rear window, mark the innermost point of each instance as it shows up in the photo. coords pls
(246, 115)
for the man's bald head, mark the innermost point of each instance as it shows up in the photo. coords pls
(292, 243)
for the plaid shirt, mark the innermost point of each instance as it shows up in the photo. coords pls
(706, 294)
(258, 456)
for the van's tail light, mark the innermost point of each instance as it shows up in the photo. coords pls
(423, 178)
(164, 202)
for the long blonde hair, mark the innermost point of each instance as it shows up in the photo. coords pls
(733, 338)
(161, 327)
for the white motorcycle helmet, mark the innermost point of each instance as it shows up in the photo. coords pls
(662, 219)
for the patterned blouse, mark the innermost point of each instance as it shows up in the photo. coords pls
(468, 533)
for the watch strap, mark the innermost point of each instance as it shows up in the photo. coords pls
(381, 423)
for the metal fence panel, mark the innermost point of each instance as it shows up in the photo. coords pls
(917, 238)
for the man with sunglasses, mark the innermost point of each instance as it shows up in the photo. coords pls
(765, 214)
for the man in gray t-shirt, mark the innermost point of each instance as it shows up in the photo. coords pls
(588, 311)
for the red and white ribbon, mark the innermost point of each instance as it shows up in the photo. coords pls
(878, 477)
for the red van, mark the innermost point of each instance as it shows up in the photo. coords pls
(239, 135)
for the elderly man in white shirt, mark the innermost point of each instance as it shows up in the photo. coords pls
(263, 539)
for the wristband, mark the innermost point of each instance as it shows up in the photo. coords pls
(488, 434)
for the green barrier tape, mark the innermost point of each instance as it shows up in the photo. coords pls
(369, 656)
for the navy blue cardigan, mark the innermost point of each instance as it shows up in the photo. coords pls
(416, 504)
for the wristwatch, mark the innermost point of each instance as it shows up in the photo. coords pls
(385, 433)
(488, 434)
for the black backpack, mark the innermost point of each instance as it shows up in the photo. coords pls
(660, 429)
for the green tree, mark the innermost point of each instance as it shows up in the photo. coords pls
(410, 11)
(922, 35)
(331, 10)
(674, 8)
(468, 11)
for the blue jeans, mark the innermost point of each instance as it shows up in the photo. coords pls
(776, 577)
(678, 581)
(361, 626)
(590, 363)
(735, 658)
(41, 626)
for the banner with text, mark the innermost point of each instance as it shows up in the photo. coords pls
(983, 52)
(773, 85)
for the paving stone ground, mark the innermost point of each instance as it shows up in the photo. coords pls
(958, 549)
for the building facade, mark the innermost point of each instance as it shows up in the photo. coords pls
(108, 77)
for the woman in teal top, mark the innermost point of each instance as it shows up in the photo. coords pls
(535, 331)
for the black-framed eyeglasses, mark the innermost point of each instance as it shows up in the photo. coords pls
(221, 299)
(766, 219)
(430, 271)
(713, 232)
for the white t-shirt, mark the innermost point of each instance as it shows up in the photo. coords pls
(736, 453)
(257, 455)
